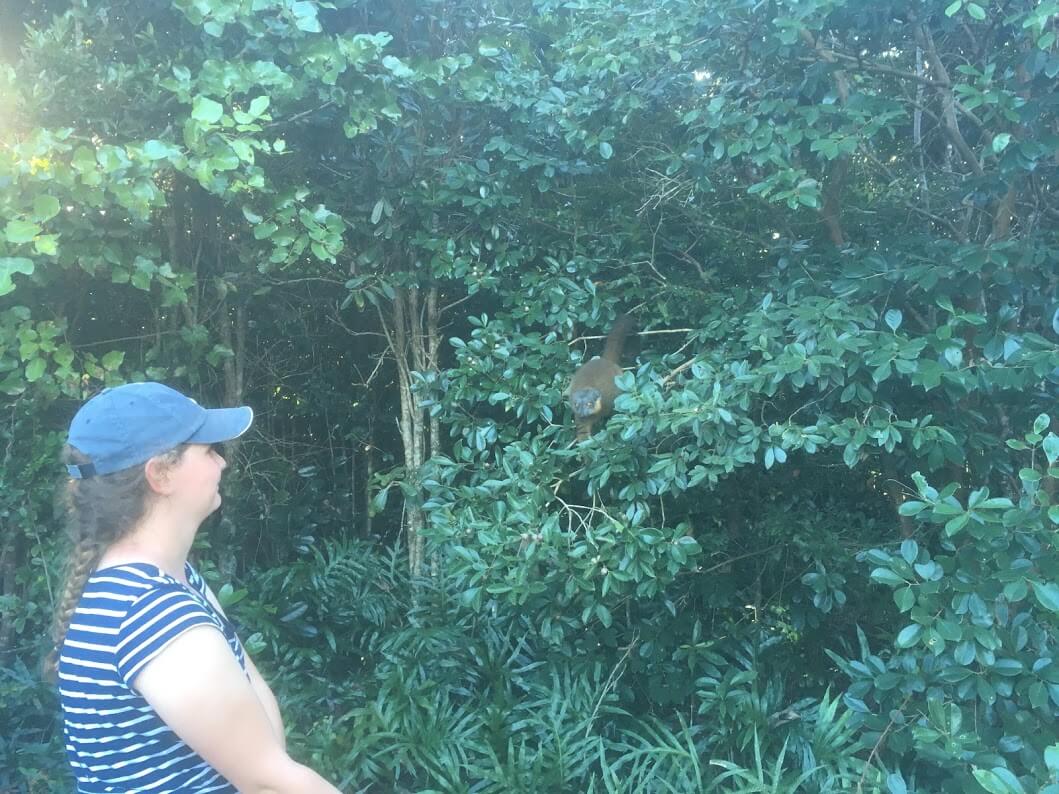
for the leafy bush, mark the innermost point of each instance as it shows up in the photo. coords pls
(396, 231)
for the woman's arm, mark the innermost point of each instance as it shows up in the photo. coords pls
(267, 698)
(200, 691)
(261, 687)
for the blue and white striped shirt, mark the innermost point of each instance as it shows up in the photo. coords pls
(115, 741)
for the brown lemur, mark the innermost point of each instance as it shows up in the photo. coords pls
(592, 390)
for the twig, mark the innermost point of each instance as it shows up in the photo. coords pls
(878, 745)
(635, 333)
(925, 39)
(612, 680)
(151, 335)
(811, 402)
(870, 67)
(669, 378)
(300, 116)
(730, 560)
(454, 304)
(351, 332)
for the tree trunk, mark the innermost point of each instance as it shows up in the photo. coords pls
(10, 559)
(233, 368)
(412, 335)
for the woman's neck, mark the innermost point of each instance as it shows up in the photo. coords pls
(152, 542)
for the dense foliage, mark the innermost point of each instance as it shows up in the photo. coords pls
(395, 228)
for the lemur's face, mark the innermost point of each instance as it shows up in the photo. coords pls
(586, 402)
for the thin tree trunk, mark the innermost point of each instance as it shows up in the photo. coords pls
(369, 473)
(412, 336)
(231, 330)
(9, 563)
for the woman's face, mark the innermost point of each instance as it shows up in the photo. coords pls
(195, 478)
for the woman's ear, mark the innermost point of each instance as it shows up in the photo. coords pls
(156, 471)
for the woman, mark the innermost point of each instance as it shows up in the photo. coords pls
(157, 693)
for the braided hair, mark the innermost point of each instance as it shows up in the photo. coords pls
(99, 510)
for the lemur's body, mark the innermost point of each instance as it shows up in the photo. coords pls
(592, 390)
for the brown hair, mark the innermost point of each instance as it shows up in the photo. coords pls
(98, 511)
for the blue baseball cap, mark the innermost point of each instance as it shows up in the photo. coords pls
(130, 424)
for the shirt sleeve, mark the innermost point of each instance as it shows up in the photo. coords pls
(194, 578)
(153, 621)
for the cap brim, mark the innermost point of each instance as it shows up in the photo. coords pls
(223, 424)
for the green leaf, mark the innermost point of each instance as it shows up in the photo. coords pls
(1051, 758)
(378, 502)
(964, 653)
(84, 159)
(259, 105)
(949, 631)
(489, 48)
(18, 232)
(905, 598)
(112, 360)
(909, 550)
(305, 16)
(376, 212)
(911, 508)
(893, 319)
(887, 577)
(251, 216)
(909, 636)
(954, 525)
(157, 150)
(1008, 667)
(1017, 590)
(398, 67)
(604, 616)
(64, 356)
(213, 27)
(1029, 475)
(1047, 595)
(265, 230)
(1051, 447)
(45, 208)
(206, 110)
(471, 597)
(1000, 142)
(953, 8)
(35, 369)
(998, 780)
(243, 150)
(976, 11)
(9, 265)
(996, 503)
(606, 151)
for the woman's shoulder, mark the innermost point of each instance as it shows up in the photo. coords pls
(130, 608)
(142, 574)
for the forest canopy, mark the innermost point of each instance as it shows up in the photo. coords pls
(813, 549)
